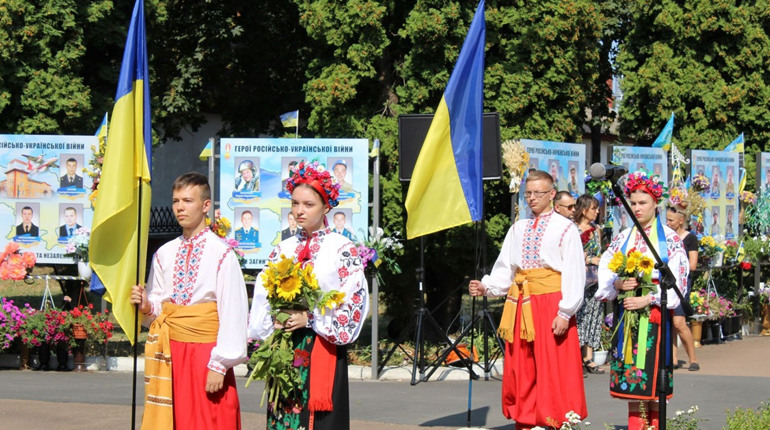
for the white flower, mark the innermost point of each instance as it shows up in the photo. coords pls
(679, 413)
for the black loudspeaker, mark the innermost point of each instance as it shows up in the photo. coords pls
(412, 130)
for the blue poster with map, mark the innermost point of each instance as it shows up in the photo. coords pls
(253, 194)
(44, 192)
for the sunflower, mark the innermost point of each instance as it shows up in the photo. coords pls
(289, 288)
(616, 262)
(631, 264)
(331, 300)
(283, 268)
(646, 265)
(308, 277)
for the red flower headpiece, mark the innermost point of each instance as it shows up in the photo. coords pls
(640, 180)
(315, 175)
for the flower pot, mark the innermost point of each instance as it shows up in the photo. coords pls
(84, 270)
(78, 353)
(696, 327)
(79, 332)
(600, 357)
(765, 321)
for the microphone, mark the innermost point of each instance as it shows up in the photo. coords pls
(600, 172)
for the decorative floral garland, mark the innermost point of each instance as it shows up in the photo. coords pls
(641, 179)
(315, 175)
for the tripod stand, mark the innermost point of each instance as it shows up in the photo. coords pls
(422, 314)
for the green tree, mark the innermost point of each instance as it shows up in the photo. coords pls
(705, 61)
(42, 46)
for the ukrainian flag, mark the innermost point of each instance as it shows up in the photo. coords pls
(118, 247)
(736, 145)
(290, 119)
(664, 138)
(101, 132)
(446, 186)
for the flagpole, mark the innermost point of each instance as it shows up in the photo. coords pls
(136, 306)
(296, 126)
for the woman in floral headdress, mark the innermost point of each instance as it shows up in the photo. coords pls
(319, 338)
(634, 375)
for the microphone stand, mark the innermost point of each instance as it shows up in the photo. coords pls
(667, 281)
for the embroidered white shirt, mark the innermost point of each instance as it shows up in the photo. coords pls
(337, 266)
(548, 241)
(203, 269)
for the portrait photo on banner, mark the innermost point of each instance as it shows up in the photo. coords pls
(341, 221)
(27, 224)
(342, 170)
(71, 173)
(70, 219)
(246, 228)
(247, 176)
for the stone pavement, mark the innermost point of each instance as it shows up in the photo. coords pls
(734, 374)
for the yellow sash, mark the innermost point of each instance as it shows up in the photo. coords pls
(196, 323)
(527, 282)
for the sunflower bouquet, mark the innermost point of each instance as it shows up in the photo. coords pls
(289, 287)
(636, 265)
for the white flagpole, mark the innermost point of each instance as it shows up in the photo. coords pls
(296, 129)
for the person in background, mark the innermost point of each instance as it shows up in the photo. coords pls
(590, 316)
(339, 219)
(676, 218)
(27, 228)
(564, 204)
(247, 234)
(541, 270)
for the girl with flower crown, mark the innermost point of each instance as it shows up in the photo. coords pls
(634, 371)
(319, 339)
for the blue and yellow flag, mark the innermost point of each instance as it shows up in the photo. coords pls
(446, 186)
(290, 119)
(664, 138)
(736, 145)
(207, 150)
(101, 132)
(118, 247)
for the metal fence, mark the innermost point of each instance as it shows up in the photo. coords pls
(163, 222)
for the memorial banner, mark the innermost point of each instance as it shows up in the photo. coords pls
(253, 194)
(720, 218)
(566, 162)
(633, 158)
(44, 191)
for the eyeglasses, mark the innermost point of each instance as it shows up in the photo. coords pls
(537, 194)
(570, 207)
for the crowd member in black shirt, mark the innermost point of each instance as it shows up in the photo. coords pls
(676, 218)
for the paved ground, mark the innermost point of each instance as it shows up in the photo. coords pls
(734, 374)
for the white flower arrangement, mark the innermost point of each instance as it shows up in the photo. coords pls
(77, 244)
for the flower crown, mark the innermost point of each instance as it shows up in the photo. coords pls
(315, 175)
(641, 180)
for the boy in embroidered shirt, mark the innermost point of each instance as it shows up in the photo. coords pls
(542, 372)
(196, 303)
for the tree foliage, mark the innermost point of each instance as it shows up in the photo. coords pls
(708, 62)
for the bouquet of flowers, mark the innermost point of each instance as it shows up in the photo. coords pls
(639, 266)
(748, 198)
(15, 265)
(221, 226)
(11, 320)
(708, 249)
(378, 249)
(700, 183)
(718, 306)
(289, 286)
(764, 294)
(77, 244)
(730, 251)
(698, 302)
